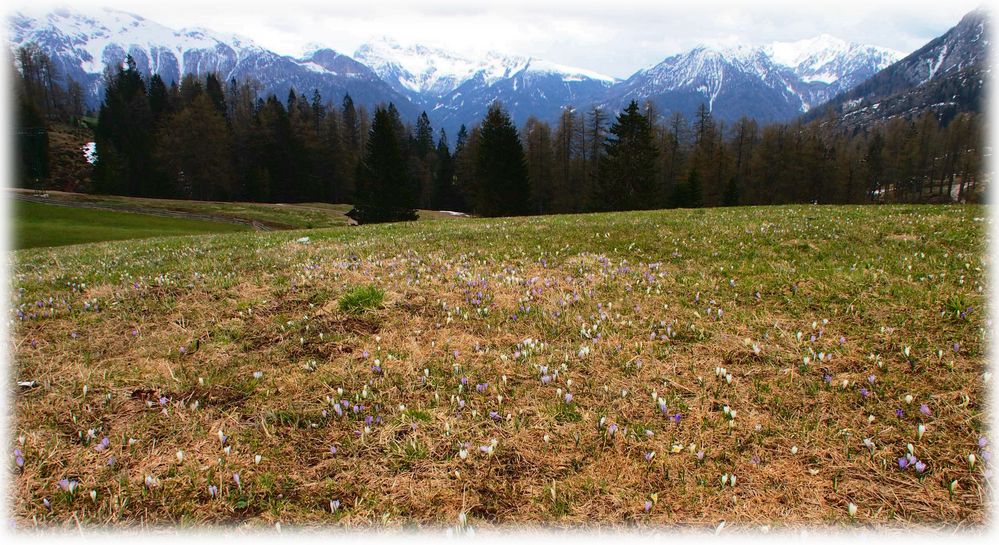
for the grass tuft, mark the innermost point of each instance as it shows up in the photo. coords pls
(360, 299)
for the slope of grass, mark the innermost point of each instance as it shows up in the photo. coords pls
(38, 225)
(275, 216)
(610, 369)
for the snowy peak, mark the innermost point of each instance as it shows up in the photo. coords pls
(434, 72)
(419, 69)
(826, 58)
(774, 82)
(100, 36)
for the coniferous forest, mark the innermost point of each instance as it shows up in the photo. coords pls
(210, 139)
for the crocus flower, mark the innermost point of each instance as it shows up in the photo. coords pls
(235, 478)
(925, 409)
(648, 506)
(213, 490)
(920, 466)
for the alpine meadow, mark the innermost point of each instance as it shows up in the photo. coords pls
(741, 289)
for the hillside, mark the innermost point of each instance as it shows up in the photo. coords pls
(946, 76)
(761, 367)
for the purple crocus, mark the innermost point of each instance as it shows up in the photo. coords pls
(495, 416)
(925, 409)
(676, 418)
(920, 466)
(899, 413)
(481, 388)
(864, 393)
(104, 444)
(235, 478)
(213, 490)
(648, 506)
(568, 398)
(903, 463)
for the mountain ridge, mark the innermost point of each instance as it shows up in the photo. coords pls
(456, 89)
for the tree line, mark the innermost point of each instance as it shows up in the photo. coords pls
(204, 138)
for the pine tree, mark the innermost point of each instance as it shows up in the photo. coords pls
(445, 194)
(385, 190)
(628, 171)
(500, 169)
(124, 136)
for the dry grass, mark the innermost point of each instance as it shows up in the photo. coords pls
(640, 291)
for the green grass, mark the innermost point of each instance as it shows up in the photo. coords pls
(39, 225)
(360, 299)
(273, 215)
(244, 333)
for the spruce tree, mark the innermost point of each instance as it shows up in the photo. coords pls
(385, 190)
(628, 170)
(500, 169)
(123, 135)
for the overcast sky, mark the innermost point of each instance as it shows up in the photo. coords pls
(615, 37)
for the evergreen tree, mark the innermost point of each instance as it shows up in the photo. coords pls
(502, 187)
(445, 196)
(214, 89)
(123, 136)
(385, 189)
(628, 171)
(198, 168)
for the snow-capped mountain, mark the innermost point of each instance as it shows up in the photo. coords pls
(81, 44)
(775, 82)
(770, 83)
(456, 89)
(424, 71)
(947, 75)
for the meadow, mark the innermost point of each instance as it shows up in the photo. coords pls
(769, 367)
(41, 225)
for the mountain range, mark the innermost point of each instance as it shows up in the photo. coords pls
(948, 75)
(775, 82)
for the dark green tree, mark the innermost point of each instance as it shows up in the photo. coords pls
(124, 136)
(385, 190)
(628, 170)
(502, 188)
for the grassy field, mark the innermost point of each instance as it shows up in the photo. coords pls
(37, 225)
(275, 216)
(769, 367)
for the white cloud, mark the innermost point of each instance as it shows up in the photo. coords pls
(614, 37)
